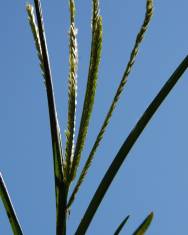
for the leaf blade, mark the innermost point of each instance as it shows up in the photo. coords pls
(120, 227)
(144, 226)
(14, 222)
(127, 145)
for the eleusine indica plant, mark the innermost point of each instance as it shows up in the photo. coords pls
(66, 160)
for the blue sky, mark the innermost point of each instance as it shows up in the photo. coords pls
(154, 176)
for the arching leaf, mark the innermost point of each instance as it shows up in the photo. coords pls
(127, 145)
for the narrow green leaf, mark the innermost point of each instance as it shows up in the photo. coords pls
(60, 187)
(149, 11)
(144, 226)
(72, 93)
(120, 227)
(91, 87)
(15, 225)
(127, 145)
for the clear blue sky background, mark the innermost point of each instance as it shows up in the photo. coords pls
(154, 177)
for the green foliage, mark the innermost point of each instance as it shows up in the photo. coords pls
(66, 164)
(127, 145)
(15, 225)
(120, 227)
(144, 226)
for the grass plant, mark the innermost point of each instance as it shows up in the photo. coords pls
(67, 159)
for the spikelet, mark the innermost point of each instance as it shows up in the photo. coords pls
(139, 38)
(95, 57)
(35, 32)
(96, 13)
(72, 93)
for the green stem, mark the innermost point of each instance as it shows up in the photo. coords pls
(60, 187)
(61, 227)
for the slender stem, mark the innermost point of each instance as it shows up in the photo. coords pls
(126, 147)
(60, 187)
(16, 228)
